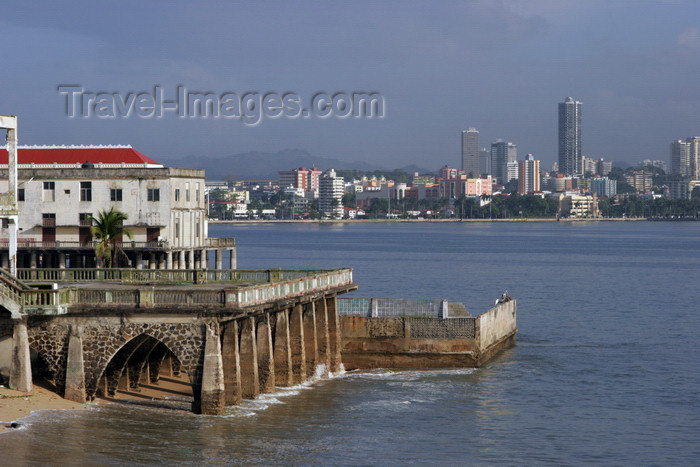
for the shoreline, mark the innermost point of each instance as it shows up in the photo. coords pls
(395, 221)
(16, 405)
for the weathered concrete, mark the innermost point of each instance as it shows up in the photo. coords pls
(418, 343)
(296, 333)
(283, 351)
(248, 349)
(310, 338)
(266, 363)
(231, 363)
(322, 335)
(213, 396)
(21, 370)
(75, 371)
(334, 334)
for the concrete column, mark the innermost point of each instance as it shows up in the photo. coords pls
(152, 260)
(33, 260)
(218, 259)
(310, 339)
(21, 368)
(322, 337)
(250, 386)
(232, 259)
(296, 338)
(213, 396)
(282, 351)
(266, 363)
(139, 260)
(182, 264)
(161, 260)
(203, 259)
(75, 372)
(232, 364)
(334, 334)
(62, 260)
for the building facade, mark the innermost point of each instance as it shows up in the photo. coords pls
(470, 152)
(330, 196)
(501, 154)
(570, 143)
(604, 186)
(529, 175)
(62, 188)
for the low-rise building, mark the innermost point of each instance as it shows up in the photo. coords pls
(62, 188)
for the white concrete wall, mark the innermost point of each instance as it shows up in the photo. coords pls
(495, 324)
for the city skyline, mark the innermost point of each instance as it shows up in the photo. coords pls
(634, 69)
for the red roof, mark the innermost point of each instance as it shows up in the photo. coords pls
(78, 155)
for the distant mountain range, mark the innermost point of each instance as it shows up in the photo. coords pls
(265, 165)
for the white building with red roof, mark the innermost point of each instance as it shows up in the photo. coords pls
(60, 188)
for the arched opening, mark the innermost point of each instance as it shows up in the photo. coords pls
(145, 371)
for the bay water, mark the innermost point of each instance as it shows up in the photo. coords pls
(606, 369)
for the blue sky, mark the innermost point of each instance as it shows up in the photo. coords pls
(499, 66)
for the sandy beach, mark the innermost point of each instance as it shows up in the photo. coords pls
(15, 404)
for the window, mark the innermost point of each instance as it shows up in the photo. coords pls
(20, 194)
(85, 218)
(187, 191)
(177, 194)
(85, 191)
(196, 193)
(115, 194)
(49, 193)
(48, 220)
(153, 194)
(177, 229)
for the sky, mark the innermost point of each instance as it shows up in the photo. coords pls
(440, 67)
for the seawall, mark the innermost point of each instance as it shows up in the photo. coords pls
(428, 338)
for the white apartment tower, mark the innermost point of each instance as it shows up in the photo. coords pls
(330, 196)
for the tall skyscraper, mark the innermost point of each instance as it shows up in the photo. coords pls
(570, 162)
(470, 152)
(681, 160)
(529, 175)
(501, 154)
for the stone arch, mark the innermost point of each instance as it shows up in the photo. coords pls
(101, 345)
(51, 344)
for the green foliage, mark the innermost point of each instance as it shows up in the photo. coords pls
(107, 227)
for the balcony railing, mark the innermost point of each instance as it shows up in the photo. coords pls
(34, 301)
(32, 243)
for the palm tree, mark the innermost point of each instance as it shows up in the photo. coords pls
(108, 227)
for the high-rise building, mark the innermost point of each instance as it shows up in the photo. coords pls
(484, 161)
(680, 158)
(470, 152)
(528, 175)
(330, 194)
(570, 162)
(502, 153)
(694, 142)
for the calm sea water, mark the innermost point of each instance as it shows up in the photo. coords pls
(606, 368)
